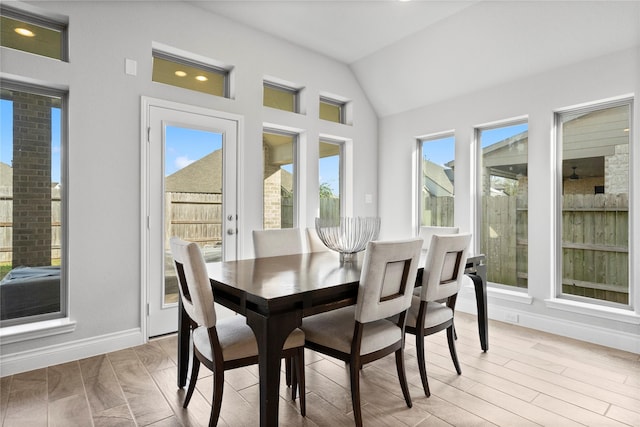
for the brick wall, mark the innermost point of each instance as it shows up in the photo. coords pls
(31, 180)
(272, 192)
(617, 171)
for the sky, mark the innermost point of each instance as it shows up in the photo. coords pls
(184, 146)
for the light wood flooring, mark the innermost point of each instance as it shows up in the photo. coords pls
(527, 378)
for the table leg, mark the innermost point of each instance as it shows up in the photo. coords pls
(184, 332)
(271, 333)
(480, 284)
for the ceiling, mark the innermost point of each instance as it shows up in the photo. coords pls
(407, 54)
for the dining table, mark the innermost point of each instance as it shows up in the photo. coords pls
(275, 293)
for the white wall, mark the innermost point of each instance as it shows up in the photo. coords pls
(104, 147)
(536, 97)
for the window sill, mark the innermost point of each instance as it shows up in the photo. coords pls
(509, 295)
(610, 313)
(30, 331)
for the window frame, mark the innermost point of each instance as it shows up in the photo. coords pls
(341, 170)
(479, 218)
(63, 95)
(420, 172)
(556, 288)
(295, 167)
(55, 24)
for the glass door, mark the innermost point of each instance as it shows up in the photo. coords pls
(192, 190)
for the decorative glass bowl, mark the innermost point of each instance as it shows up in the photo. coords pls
(348, 235)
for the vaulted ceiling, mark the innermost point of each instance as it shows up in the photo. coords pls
(407, 54)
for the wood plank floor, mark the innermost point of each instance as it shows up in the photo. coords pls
(527, 378)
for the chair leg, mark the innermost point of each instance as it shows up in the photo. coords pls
(403, 377)
(354, 373)
(195, 368)
(452, 348)
(216, 399)
(422, 364)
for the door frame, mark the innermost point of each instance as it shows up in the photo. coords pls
(146, 103)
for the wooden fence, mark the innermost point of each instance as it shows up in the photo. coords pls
(595, 242)
(6, 226)
(196, 217)
(595, 235)
(438, 211)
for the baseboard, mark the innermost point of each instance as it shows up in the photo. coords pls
(571, 329)
(61, 353)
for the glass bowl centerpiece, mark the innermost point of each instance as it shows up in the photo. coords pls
(347, 235)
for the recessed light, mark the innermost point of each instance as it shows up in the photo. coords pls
(24, 32)
(180, 73)
(201, 78)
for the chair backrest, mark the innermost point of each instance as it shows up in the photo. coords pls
(193, 282)
(315, 244)
(387, 278)
(444, 268)
(286, 241)
(427, 231)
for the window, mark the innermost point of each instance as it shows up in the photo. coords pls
(436, 189)
(279, 187)
(332, 110)
(188, 74)
(280, 97)
(32, 204)
(34, 34)
(504, 202)
(594, 217)
(330, 179)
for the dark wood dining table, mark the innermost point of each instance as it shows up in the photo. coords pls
(275, 293)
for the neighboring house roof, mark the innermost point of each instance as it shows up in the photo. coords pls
(202, 176)
(436, 179)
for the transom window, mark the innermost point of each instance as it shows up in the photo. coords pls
(188, 74)
(32, 33)
(332, 110)
(281, 97)
(594, 210)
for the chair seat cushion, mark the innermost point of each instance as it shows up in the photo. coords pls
(334, 329)
(437, 313)
(237, 339)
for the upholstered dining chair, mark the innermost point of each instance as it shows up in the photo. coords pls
(433, 309)
(315, 244)
(277, 242)
(429, 230)
(362, 333)
(221, 344)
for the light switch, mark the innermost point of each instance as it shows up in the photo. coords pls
(368, 198)
(130, 67)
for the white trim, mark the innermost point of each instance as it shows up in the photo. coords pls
(509, 295)
(567, 328)
(60, 353)
(601, 311)
(30, 331)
